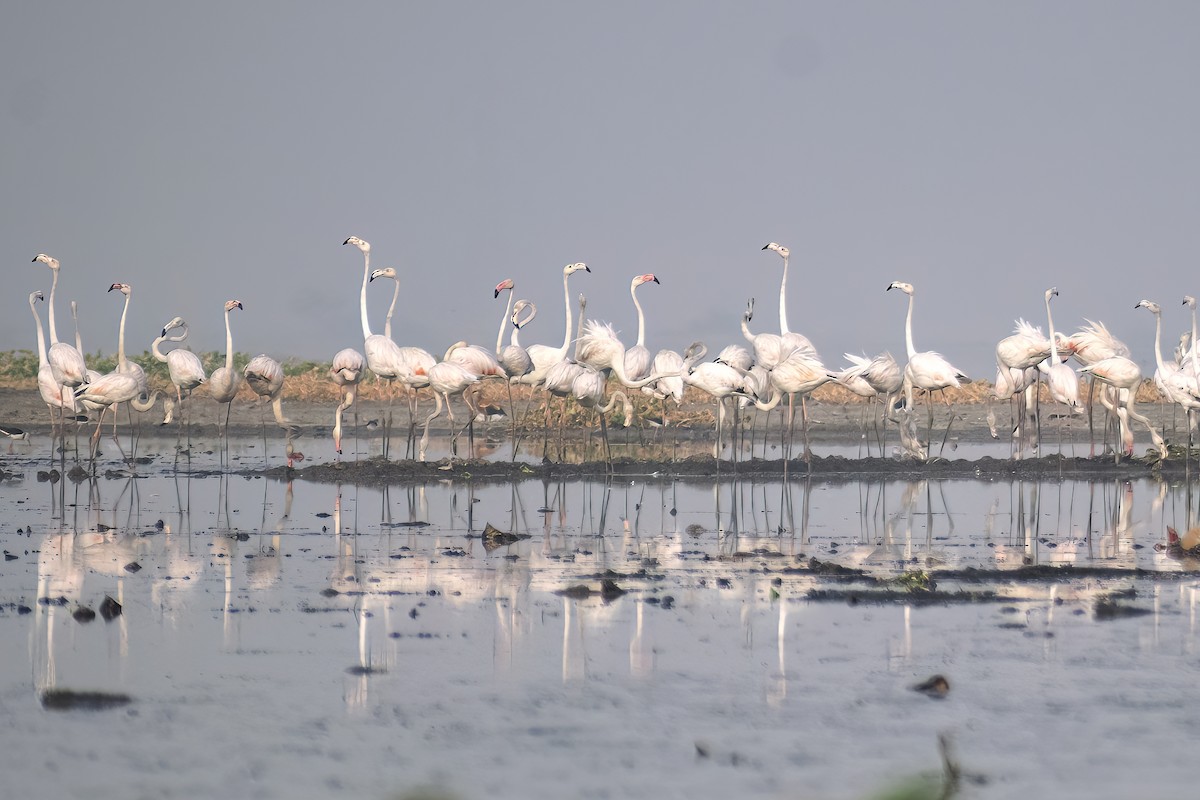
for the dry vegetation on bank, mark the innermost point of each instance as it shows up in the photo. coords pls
(309, 382)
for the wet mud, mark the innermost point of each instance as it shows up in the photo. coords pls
(829, 469)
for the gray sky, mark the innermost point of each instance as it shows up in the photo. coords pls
(982, 151)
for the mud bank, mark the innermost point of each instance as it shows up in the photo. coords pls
(827, 469)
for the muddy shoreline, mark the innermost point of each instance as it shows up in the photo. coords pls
(832, 425)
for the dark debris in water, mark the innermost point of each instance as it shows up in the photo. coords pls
(893, 597)
(936, 687)
(71, 700)
(494, 538)
(1107, 606)
(609, 590)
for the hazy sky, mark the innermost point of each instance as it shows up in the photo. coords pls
(982, 151)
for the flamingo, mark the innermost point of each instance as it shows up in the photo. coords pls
(791, 341)
(1123, 375)
(54, 395)
(346, 371)
(123, 363)
(719, 381)
(558, 382)
(384, 357)
(588, 390)
(514, 358)
(264, 375)
(108, 391)
(1170, 379)
(224, 382)
(796, 374)
(1092, 344)
(926, 370)
(445, 378)
(544, 356)
(65, 361)
(1060, 379)
(184, 366)
(638, 361)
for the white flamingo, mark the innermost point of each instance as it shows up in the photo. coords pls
(544, 356)
(123, 362)
(1061, 380)
(67, 362)
(384, 357)
(638, 361)
(797, 374)
(588, 390)
(1177, 387)
(1123, 375)
(184, 366)
(346, 370)
(791, 340)
(719, 381)
(926, 370)
(264, 375)
(54, 395)
(224, 382)
(448, 377)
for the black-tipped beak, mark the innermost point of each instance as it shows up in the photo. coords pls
(495, 293)
(112, 287)
(348, 240)
(586, 268)
(240, 306)
(765, 246)
(889, 288)
(34, 260)
(371, 279)
(163, 332)
(656, 280)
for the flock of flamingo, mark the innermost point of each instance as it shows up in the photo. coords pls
(760, 375)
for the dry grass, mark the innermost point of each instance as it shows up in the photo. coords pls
(697, 409)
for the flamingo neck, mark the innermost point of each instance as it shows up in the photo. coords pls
(1158, 359)
(387, 323)
(912, 351)
(362, 298)
(1195, 349)
(641, 340)
(121, 361)
(1053, 344)
(503, 320)
(228, 341)
(783, 323)
(154, 348)
(75, 319)
(40, 336)
(53, 289)
(567, 304)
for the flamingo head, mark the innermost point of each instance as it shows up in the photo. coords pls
(230, 305)
(907, 288)
(778, 248)
(35, 296)
(359, 243)
(579, 265)
(518, 309)
(49, 261)
(386, 272)
(175, 323)
(1189, 301)
(649, 277)
(1051, 292)
(123, 288)
(1150, 306)
(507, 283)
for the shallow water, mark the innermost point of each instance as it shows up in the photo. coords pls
(300, 640)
